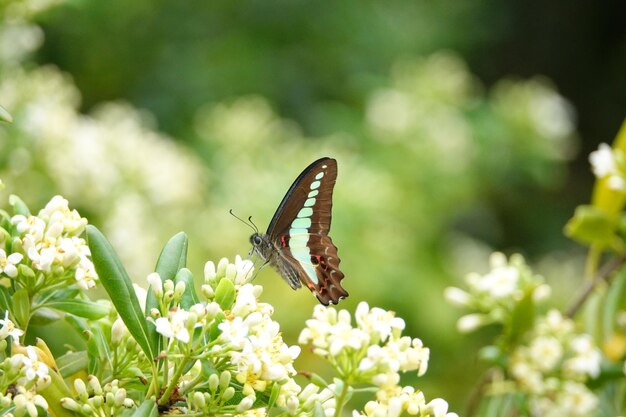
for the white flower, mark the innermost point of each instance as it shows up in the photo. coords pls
(602, 161)
(546, 352)
(439, 408)
(244, 270)
(33, 368)
(605, 163)
(26, 402)
(9, 329)
(457, 296)
(174, 326)
(41, 259)
(587, 357)
(470, 322)
(8, 263)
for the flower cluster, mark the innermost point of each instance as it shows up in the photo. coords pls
(609, 164)
(553, 366)
(25, 371)
(232, 330)
(494, 295)
(93, 399)
(49, 248)
(373, 352)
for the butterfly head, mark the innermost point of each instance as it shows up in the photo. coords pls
(261, 245)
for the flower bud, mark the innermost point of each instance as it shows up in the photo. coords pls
(292, 405)
(221, 267)
(94, 384)
(214, 381)
(231, 272)
(207, 291)
(26, 272)
(471, 322)
(81, 389)
(154, 279)
(168, 285)
(155, 313)
(70, 404)
(209, 272)
(245, 404)
(128, 403)
(96, 401)
(120, 396)
(118, 331)
(228, 393)
(198, 400)
(192, 319)
(179, 289)
(224, 380)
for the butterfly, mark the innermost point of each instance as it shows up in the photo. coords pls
(296, 243)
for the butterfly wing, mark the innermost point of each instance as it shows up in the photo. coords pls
(320, 272)
(312, 191)
(299, 230)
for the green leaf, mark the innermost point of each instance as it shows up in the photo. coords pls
(72, 363)
(173, 257)
(44, 316)
(100, 340)
(613, 303)
(118, 285)
(522, 318)
(225, 293)
(80, 308)
(5, 116)
(273, 395)
(592, 225)
(5, 300)
(214, 331)
(93, 349)
(147, 409)
(189, 296)
(21, 307)
(19, 207)
(7, 411)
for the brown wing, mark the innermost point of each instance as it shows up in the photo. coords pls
(299, 192)
(321, 272)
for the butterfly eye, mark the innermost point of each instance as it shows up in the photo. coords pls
(256, 239)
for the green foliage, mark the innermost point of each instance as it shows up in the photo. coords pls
(118, 285)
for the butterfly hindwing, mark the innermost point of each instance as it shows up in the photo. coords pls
(319, 268)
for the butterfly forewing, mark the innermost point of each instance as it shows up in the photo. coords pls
(299, 233)
(302, 191)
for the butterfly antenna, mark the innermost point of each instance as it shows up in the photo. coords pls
(243, 221)
(256, 229)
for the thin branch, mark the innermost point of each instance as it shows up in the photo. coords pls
(604, 274)
(477, 393)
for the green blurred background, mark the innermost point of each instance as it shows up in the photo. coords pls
(460, 127)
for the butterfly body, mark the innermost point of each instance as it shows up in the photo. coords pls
(296, 243)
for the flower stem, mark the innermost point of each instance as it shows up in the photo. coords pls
(605, 274)
(341, 399)
(172, 383)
